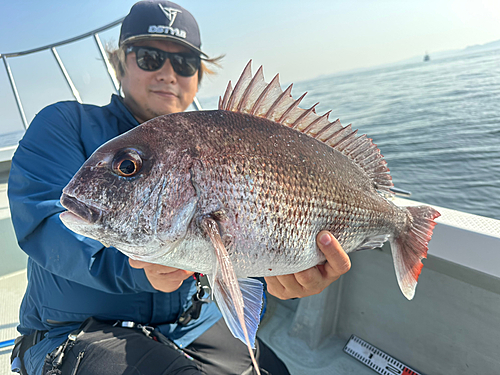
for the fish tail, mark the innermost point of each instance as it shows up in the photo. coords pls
(411, 246)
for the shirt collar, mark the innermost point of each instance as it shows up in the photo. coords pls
(118, 108)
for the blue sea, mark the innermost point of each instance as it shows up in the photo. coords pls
(437, 123)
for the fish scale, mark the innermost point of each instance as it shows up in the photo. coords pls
(242, 192)
(273, 194)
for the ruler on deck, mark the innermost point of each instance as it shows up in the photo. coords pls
(376, 359)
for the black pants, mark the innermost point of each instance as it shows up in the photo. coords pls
(107, 350)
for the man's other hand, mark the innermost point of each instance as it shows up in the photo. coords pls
(313, 280)
(163, 278)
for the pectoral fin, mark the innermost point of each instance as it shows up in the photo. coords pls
(240, 301)
(251, 291)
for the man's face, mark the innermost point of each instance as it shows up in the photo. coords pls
(152, 94)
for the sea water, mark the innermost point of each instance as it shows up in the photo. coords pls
(437, 123)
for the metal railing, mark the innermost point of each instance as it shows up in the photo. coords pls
(7, 152)
(52, 47)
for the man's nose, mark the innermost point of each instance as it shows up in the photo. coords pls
(166, 73)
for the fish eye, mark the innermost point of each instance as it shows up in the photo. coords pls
(127, 163)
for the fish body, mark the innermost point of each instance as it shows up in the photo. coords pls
(270, 188)
(243, 191)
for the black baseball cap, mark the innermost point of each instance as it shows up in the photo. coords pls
(161, 20)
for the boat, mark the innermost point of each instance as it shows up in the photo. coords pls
(426, 57)
(361, 324)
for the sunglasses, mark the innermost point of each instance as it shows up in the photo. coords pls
(151, 59)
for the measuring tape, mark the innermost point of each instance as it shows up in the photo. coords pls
(375, 358)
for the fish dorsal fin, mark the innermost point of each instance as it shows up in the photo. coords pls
(254, 96)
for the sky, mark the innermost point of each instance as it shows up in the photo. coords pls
(298, 39)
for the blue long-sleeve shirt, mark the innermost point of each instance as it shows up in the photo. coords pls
(71, 277)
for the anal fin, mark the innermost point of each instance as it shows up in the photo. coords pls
(239, 300)
(373, 242)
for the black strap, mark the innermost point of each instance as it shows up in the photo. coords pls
(21, 345)
(193, 312)
(54, 359)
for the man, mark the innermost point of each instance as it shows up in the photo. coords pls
(89, 308)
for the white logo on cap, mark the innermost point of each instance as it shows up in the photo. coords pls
(171, 13)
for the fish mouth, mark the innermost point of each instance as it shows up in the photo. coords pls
(85, 212)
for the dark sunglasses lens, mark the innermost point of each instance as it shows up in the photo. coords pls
(149, 59)
(184, 65)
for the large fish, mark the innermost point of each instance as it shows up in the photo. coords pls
(243, 191)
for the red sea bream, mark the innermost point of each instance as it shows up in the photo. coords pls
(243, 191)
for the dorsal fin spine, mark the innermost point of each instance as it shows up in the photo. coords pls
(344, 142)
(297, 122)
(292, 107)
(356, 145)
(325, 128)
(362, 146)
(264, 94)
(328, 139)
(330, 131)
(277, 105)
(372, 160)
(311, 125)
(227, 94)
(247, 71)
(339, 136)
(248, 90)
(284, 94)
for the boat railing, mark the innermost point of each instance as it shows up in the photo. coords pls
(52, 47)
(74, 91)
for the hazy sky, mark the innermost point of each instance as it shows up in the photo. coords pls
(298, 39)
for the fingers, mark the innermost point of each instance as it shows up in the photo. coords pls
(153, 267)
(283, 287)
(137, 263)
(163, 278)
(337, 261)
(313, 280)
(297, 285)
(166, 282)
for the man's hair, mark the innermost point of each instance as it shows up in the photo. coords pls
(117, 58)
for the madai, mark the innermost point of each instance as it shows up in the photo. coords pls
(243, 191)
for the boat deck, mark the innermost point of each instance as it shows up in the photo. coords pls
(12, 289)
(12, 276)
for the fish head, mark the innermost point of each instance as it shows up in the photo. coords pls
(133, 193)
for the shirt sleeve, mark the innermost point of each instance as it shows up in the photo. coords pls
(50, 153)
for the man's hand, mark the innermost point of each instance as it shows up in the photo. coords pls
(315, 279)
(163, 278)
